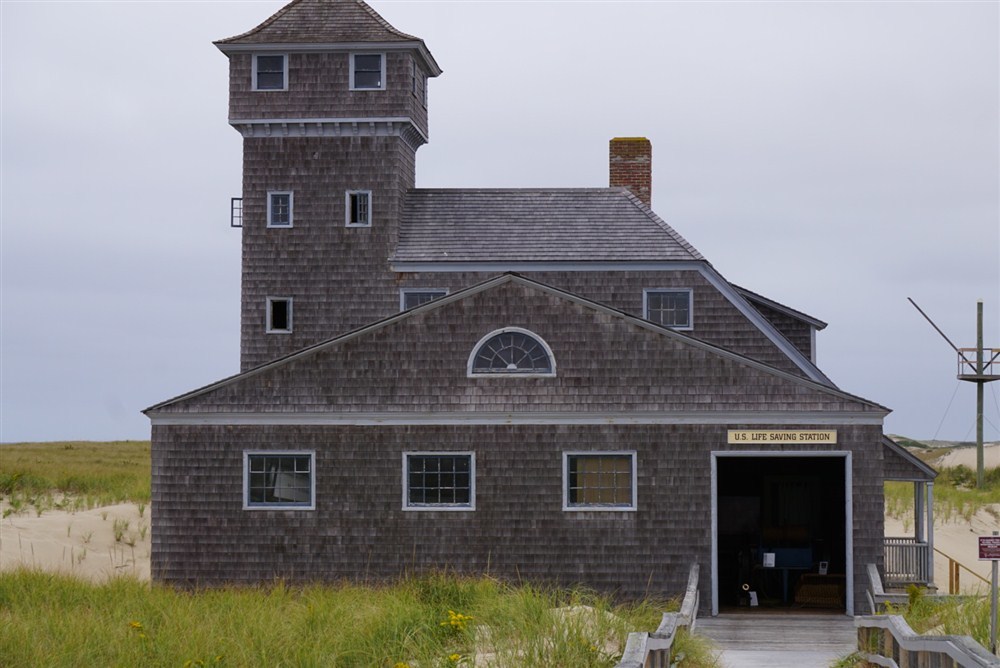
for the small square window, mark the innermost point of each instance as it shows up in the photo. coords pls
(367, 71)
(439, 481)
(279, 209)
(279, 315)
(411, 297)
(359, 208)
(670, 308)
(599, 481)
(279, 480)
(270, 72)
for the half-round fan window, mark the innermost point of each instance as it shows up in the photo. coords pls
(512, 351)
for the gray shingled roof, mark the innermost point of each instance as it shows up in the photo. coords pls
(322, 22)
(528, 225)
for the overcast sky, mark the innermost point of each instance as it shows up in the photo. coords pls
(836, 157)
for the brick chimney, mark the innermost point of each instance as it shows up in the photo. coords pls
(631, 163)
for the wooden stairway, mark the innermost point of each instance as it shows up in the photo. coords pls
(752, 640)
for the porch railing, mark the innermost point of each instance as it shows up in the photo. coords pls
(907, 561)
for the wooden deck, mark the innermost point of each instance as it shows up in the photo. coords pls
(763, 640)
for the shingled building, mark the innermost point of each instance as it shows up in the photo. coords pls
(548, 384)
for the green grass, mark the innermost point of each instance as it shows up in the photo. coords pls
(955, 494)
(965, 616)
(74, 474)
(56, 620)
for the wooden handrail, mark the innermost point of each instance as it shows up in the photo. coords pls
(954, 569)
(652, 650)
(883, 636)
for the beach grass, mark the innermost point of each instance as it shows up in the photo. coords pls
(438, 620)
(73, 474)
(955, 494)
(946, 615)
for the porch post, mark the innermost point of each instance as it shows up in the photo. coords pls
(918, 511)
(930, 533)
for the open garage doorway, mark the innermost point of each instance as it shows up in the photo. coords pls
(781, 530)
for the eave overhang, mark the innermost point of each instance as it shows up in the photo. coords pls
(403, 127)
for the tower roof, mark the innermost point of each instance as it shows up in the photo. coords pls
(310, 24)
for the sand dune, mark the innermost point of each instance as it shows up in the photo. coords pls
(967, 456)
(93, 544)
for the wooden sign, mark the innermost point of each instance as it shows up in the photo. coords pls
(989, 548)
(740, 436)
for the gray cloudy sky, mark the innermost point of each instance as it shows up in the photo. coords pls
(838, 157)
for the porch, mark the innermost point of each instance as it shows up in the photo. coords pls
(910, 559)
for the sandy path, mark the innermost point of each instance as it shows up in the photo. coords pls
(958, 539)
(82, 542)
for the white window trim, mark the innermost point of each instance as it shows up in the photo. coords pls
(267, 324)
(347, 208)
(599, 508)
(690, 294)
(284, 76)
(471, 506)
(405, 291)
(279, 506)
(291, 208)
(351, 73)
(475, 349)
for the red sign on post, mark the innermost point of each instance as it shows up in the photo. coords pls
(989, 548)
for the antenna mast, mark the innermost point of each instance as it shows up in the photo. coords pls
(984, 368)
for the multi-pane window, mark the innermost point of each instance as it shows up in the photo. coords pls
(279, 315)
(359, 208)
(269, 72)
(670, 308)
(439, 480)
(513, 351)
(604, 480)
(279, 209)
(367, 71)
(279, 479)
(411, 297)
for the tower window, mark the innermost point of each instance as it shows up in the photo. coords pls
(419, 85)
(359, 208)
(670, 308)
(279, 315)
(270, 72)
(367, 71)
(279, 209)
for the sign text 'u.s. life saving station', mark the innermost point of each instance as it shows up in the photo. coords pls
(782, 436)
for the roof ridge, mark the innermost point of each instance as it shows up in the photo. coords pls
(662, 223)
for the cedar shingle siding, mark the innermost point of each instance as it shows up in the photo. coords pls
(359, 384)
(201, 535)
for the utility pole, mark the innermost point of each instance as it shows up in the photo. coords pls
(984, 368)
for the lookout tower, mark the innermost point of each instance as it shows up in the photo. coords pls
(331, 102)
